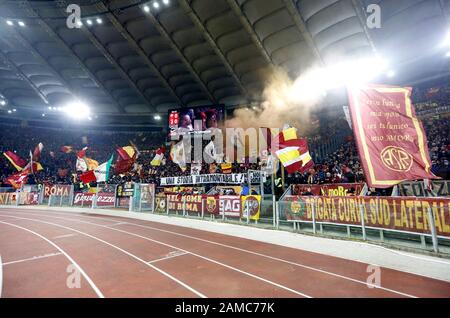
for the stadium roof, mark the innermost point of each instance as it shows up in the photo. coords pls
(130, 61)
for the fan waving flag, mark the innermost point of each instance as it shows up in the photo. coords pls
(67, 149)
(178, 155)
(102, 172)
(159, 156)
(292, 151)
(18, 179)
(84, 163)
(125, 159)
(15, 160)
(88, 177)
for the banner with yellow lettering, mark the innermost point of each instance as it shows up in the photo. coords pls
(408, 214)
(391, 141)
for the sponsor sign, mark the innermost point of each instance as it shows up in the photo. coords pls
(106, 199)
(125, 190)
(83, 198)
(406, 214)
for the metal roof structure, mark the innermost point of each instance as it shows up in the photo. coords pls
(130, 60)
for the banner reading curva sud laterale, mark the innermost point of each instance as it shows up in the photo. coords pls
(391, 140)
(407, 214)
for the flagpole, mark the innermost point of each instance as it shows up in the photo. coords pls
(282, 177)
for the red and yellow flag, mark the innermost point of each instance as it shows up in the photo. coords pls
(15, 160)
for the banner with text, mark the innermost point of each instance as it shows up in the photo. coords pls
(406, 214)
(235, 178)
(333, 190)
(391, 141)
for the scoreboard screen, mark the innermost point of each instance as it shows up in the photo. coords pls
(195, 120)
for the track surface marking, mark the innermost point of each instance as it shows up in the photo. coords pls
(203, 258)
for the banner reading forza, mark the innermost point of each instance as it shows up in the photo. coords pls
(391, 141)
(402, 213)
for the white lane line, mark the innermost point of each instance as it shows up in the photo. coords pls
(1, 276)
(113, 219)
(116, 247)
(168, 245)
(64, 236)
(242, 250)
(89, 280)
(32, 258)
(167, 257)
(120, 223)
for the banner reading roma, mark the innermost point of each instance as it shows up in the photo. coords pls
(391, 141)
(401, 213)
(56, 189)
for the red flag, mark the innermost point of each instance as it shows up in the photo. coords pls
(391, 141)
(88, 177)
(18, 179)
(67, 149)
(125, 160)
(294, 155)
(37, 152)
(15, 160)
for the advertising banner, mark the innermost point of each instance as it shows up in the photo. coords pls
(106, 199)
(125, 190)
(83, 198)
(406, 214)
(391, 141)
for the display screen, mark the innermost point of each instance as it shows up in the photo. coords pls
(195, 120)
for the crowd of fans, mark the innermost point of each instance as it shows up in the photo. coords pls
(339, 166)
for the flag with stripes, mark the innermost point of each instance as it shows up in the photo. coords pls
(15, 160)
(292, 151)
(159, 156)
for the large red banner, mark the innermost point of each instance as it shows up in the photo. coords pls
(391, 140)
(406, 214)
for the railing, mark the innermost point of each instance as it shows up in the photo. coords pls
(422, 217)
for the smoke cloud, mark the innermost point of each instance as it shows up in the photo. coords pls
(285, 102)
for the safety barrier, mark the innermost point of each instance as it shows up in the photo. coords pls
(421, 217)
(60, 200)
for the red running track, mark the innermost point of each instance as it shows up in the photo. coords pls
(60, 254)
